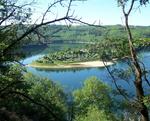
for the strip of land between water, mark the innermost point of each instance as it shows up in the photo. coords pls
(87, 64)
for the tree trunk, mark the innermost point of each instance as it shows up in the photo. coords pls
(138, 73)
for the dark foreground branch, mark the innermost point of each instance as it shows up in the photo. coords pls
(56, 118)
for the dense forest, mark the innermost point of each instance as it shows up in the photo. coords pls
(87, 34)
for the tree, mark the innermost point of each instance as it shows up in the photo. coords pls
(136, 66)
(15, 29)
(94, 114)
(93, 96)
(48, 93)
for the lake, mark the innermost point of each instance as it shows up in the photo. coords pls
(72, 79)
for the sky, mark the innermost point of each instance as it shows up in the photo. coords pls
(105, 12)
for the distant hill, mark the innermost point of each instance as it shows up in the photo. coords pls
(62, 33)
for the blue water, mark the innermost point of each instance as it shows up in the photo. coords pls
(72, 79)
(31, 59)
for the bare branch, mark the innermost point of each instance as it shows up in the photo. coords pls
(74, 20)
(53, 4)
(122, 3)
(7, 17)
(67, 13)
(18, 62)
(131, 6)
(114, 80)
(68, 18)
(14, 42)
(144, 73)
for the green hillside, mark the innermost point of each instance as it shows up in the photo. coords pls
(62, 33)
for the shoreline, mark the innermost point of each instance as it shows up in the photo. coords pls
(88, 64)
